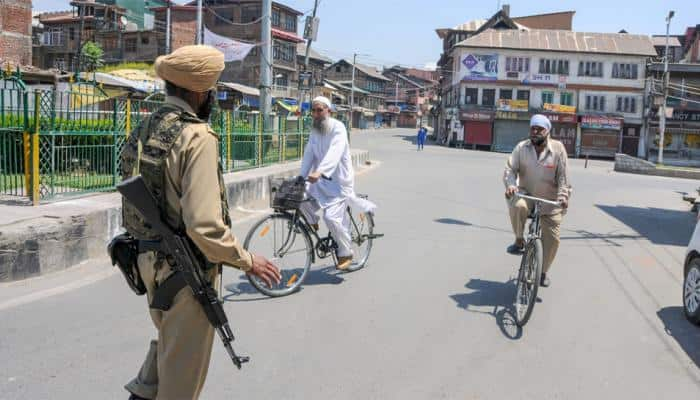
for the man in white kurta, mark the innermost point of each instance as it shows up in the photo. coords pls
(328, 167)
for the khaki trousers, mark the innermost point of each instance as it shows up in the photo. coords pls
(176, 364)
(519, 209)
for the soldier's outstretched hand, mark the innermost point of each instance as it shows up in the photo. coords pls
(265, 270)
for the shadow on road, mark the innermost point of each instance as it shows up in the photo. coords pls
(452, 221)
(607, 238)
(413, 139)
(495, 295)
(660, 226)
(327, 275)
(686, 334)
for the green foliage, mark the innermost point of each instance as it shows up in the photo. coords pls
(92, 56)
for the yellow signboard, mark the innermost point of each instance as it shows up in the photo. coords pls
(559, 108)
(513, 105)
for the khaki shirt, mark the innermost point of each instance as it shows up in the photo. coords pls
(545, 176)
(192, 192)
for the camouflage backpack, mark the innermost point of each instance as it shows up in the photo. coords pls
(145, 153)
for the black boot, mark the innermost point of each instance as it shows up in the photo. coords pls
(544, 281)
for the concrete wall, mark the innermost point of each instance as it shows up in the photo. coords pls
(61, 235)
(625, 163)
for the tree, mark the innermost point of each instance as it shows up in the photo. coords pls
(91, 56)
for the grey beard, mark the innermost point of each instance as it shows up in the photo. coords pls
(323, 126)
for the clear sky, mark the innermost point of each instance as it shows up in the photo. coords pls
(403, 31)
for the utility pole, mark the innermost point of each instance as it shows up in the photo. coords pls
(76, 64)
(352, 89)
(308, 43)
(199, 22)
(662, 117)
(167, 29)
(266, 62)
(306, 58)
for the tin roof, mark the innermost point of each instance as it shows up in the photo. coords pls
(661, 41)
(558, 40)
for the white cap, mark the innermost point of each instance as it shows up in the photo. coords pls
(541, 121)
(322, 100)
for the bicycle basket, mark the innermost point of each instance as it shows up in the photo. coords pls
(287, 194)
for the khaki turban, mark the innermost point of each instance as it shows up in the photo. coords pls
(195, 68)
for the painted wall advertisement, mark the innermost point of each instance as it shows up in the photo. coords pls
(559, 108)
(513, 105)
(597, 122)
(479, 67)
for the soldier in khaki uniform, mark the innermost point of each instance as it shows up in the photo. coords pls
(539, 167)
(177, 154)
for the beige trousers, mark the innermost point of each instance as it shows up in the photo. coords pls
(176, 364)
(519, 210)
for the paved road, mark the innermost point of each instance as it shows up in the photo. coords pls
(428, 319)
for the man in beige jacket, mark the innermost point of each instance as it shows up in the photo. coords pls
(538, 166)
(176, 152)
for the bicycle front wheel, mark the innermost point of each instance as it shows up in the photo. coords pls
(528, 282)
(287, 245)
(361, 231)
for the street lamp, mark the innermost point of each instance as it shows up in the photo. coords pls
(662, 118)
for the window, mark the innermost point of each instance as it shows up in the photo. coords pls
(290, 23)
(517, 64)
(53, 37)
(559, 67)
(625, 71)
(626, 104)
(276, 17)
(566, 99)
(523, 95)
(250, 13)
(547, 97)
(71, 33)
(59, 63)
(471, 95)
(488, 97)
(595, 103)
(283, 51)
(144, 40)
(506, 94)
(337, 68)
(130, 45)
(282, 80)
(590, 68)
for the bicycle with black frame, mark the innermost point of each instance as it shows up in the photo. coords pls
(293, 244)
(530, 271)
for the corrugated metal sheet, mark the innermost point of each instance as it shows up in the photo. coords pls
(557, 40)
(661, 41)
(471, 25)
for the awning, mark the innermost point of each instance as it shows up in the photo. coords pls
(287, 105)
(278, 33)
(251, 91)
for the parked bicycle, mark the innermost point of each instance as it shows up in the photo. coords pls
(294, 244)
(530, 270)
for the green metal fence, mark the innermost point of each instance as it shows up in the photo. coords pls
(66, 143)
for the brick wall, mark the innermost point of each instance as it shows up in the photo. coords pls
(183, 28)
(16, 31)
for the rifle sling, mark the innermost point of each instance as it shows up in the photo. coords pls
(165, 293)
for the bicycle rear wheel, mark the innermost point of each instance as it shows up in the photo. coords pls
(528, 282)
(361, 234)
(287, 245)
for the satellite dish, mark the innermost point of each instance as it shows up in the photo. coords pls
(123, 20)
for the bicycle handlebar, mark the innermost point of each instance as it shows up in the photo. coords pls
(550, 202)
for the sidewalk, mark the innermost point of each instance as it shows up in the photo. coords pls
(54, 236)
